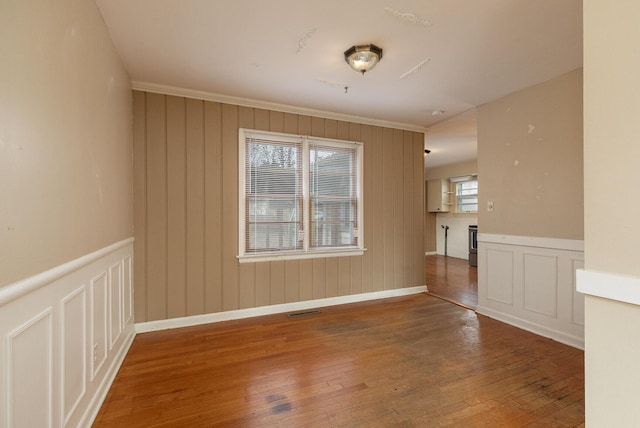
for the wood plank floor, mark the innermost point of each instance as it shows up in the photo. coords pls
(452, 279)
(415, 361)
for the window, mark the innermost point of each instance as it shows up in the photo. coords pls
(299, 197)
(466, 191)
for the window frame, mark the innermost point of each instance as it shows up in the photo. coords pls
(306, 252)
(456, 181)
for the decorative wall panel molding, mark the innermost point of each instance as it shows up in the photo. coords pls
(98, 336)
(74, 350)
(127, 306)
(115, 303)
(29, 362)
(500, 277)
(530, 282)
(541, 284)
(50, 325)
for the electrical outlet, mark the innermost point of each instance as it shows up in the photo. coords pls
(490, 206)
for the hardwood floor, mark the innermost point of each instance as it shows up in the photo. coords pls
(414, 361)
(452, 279)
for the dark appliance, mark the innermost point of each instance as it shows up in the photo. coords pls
(473, 245)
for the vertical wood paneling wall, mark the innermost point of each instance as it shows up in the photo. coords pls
(186, 211)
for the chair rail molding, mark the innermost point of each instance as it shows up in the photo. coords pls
(622, 288)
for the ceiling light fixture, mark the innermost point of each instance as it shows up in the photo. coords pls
(363, 58)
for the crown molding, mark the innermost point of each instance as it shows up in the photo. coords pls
(248, 102)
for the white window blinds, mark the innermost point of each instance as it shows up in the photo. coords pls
(333, 196)
(273, 195)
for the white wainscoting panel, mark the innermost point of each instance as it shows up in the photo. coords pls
(541, 284)
(50, 325)
(127, 306)
(530, 282)
(30, 372)
(74, 350)
(99, 307)
(115, 303)
(500, 276)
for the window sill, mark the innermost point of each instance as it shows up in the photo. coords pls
(272, 257)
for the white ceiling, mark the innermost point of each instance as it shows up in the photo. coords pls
(448, 55)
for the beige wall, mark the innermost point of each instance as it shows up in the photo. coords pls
(65, 136)
(530, 161)
(186, 195)
(612, 208)
(431, 224)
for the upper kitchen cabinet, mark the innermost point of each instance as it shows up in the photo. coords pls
(438, 196)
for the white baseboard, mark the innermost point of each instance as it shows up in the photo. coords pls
(558, 336)
(273, 309)
(430, 253)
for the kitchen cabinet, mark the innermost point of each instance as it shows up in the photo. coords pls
(438, 196)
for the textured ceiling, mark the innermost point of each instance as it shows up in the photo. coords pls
(439, 55)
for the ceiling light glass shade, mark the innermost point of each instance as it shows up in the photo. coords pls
(363, 58)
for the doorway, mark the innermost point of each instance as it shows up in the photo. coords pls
(452, 279)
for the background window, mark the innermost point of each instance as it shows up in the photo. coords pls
(466, 193)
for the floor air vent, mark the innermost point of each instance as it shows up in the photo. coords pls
(301, 314)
